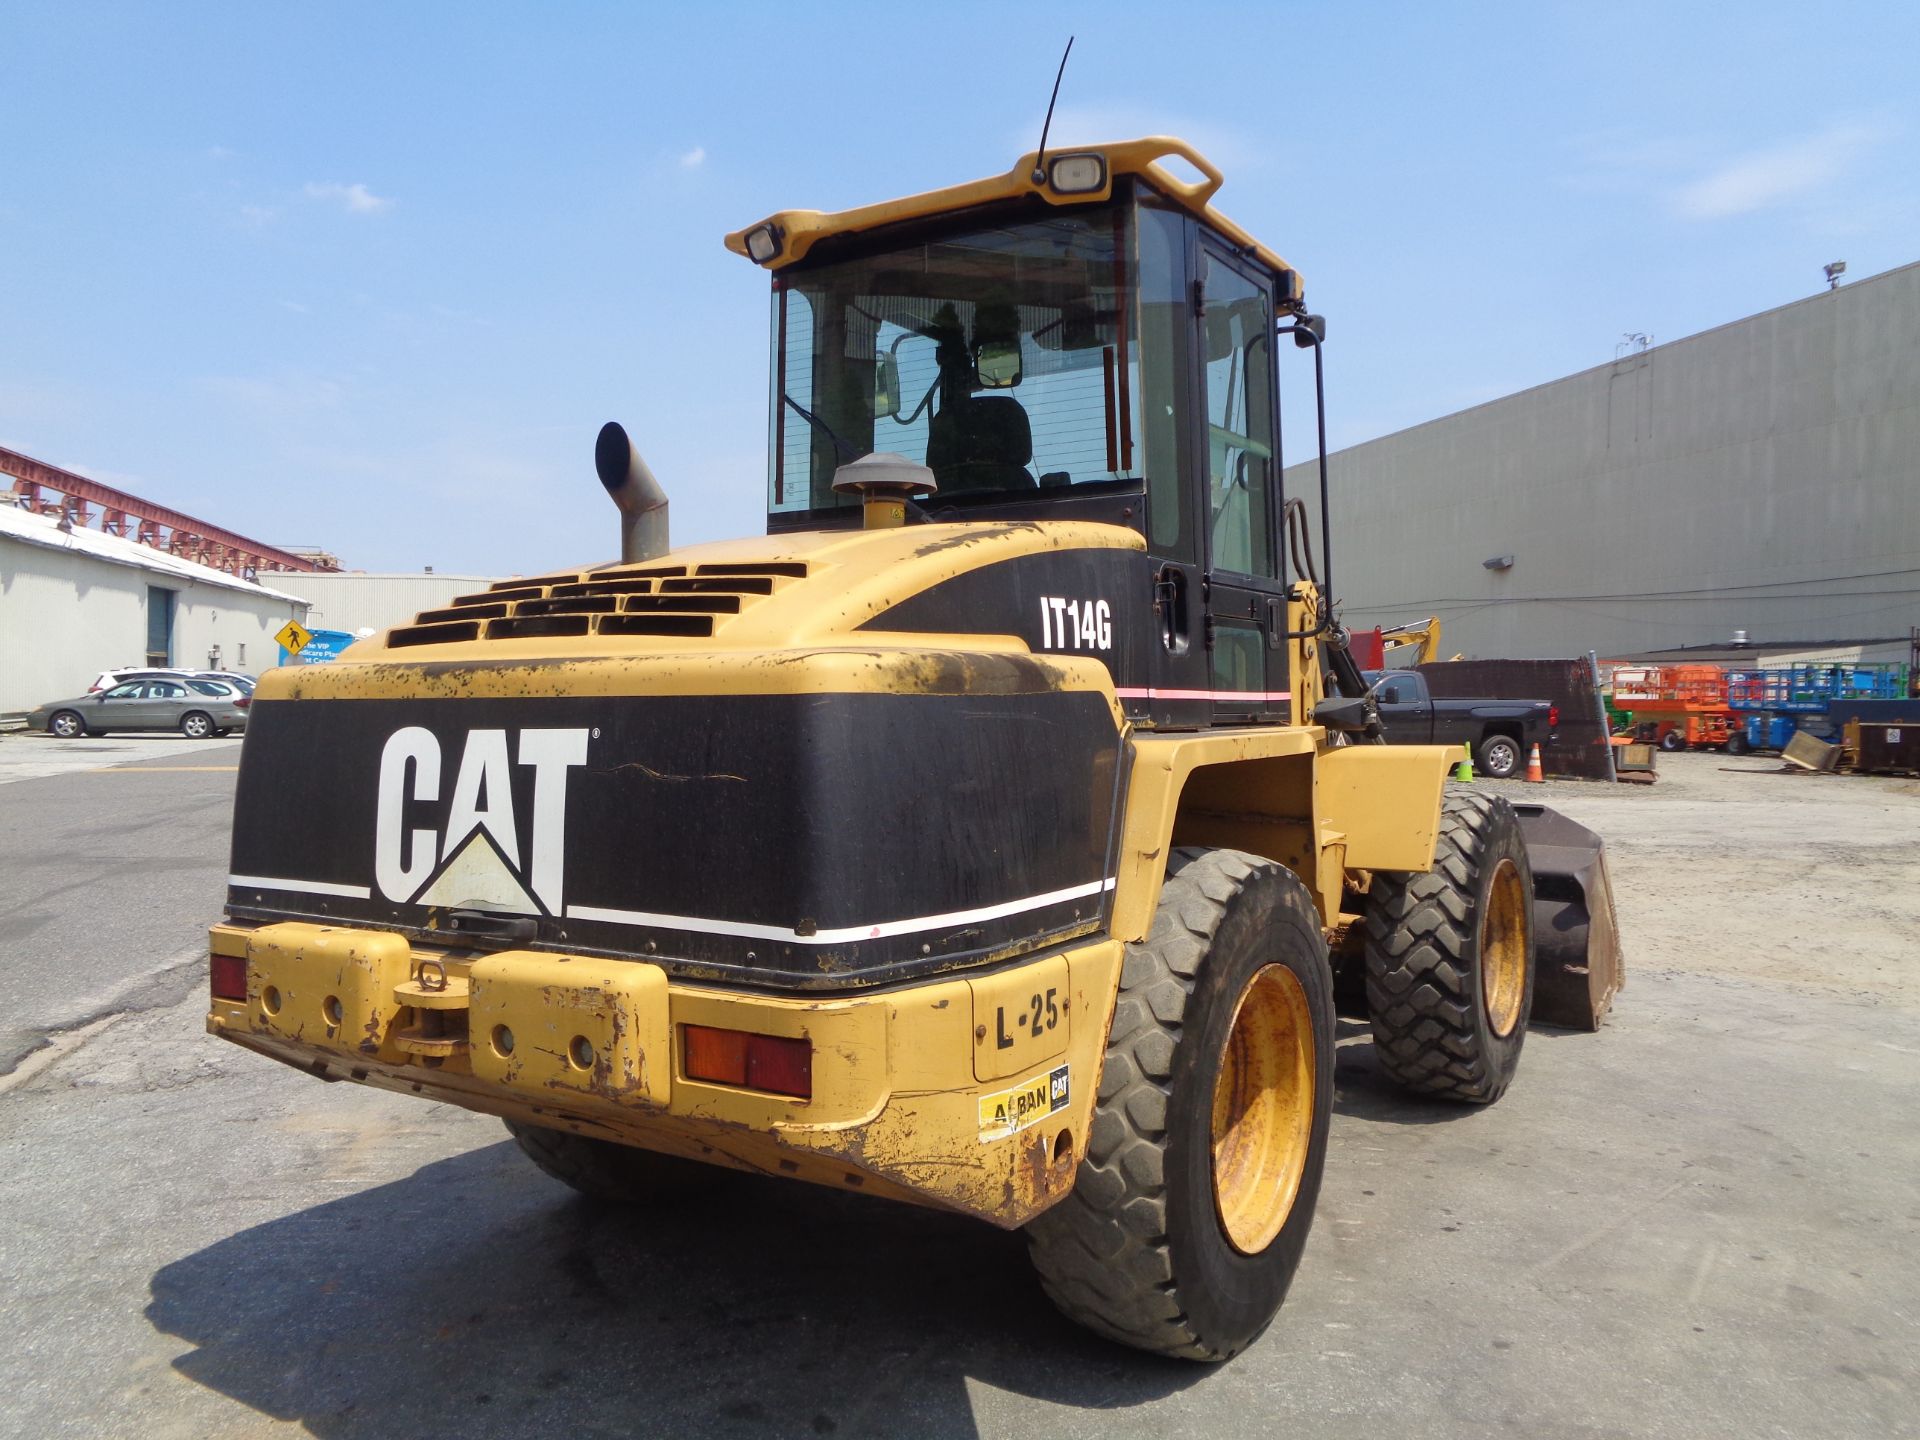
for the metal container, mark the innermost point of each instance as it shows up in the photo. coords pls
(1886, 749)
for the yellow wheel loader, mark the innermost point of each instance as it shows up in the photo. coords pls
(989, 834)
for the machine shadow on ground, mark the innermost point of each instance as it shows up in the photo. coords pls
(478, 1297)
(1363, 1090)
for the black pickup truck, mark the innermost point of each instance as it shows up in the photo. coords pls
(1500, 731)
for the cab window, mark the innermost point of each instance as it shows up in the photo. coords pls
(1002, 356)
(1238, 332)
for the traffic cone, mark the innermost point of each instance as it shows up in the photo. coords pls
(1464, 770)
(1536, 775)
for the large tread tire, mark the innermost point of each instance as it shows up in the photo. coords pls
(610, 1173)
(1427, 988)
(1137, 1251)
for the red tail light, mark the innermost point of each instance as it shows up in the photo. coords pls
(754, 1062)
(1553, 717)
(227, 976)
(245, 700)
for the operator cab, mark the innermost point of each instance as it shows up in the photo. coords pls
(1101, 353)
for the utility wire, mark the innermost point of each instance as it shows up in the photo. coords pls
(1665, 594)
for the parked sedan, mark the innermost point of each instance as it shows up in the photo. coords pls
(110, 678)
(195, 707)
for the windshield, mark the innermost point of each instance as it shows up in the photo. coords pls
(1003, 358)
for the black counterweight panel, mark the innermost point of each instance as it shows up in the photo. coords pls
(1096, 603)
(791, 841)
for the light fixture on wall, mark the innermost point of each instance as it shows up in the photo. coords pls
(1498, 562)
(1834, 272)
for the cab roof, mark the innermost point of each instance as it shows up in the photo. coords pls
(786, 236)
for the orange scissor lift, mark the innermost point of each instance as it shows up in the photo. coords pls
(1677, 707)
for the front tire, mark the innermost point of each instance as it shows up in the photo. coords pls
(610, 1173)
(1737, 744)
(196, 726)
(1449, 956)
(1673, 740)
(1192, 1204)
(66, 725)
(1498, 757)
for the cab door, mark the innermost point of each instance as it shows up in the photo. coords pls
(1178, 694)
(1238, 438)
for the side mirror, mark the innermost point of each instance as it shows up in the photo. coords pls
(886, 387)
(1343, 712)
(997, 364)
(1316, 323)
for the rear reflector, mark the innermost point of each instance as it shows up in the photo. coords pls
(754, 1062)
(1553, 717)
(227, 976)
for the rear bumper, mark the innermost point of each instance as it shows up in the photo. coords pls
(973, 1094)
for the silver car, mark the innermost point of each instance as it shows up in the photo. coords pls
(195, 706)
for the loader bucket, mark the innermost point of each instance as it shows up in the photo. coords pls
(1577, 965)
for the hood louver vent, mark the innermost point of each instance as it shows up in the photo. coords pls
(625, 601)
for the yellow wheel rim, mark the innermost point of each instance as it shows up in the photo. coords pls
(1503, 948)
(1263, 1109)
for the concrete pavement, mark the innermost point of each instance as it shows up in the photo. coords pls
(1698, 1223)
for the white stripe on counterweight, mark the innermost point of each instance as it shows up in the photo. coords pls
(836, 937)
(311, 887)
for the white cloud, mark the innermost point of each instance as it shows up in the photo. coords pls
(694, 158)
(1762, 179)
(355, 198)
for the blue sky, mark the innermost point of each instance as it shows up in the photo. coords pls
(371, 276)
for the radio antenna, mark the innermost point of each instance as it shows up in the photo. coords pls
(1040, 160)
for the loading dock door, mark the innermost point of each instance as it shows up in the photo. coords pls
(159, 626)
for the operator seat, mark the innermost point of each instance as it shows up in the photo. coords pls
(982, 442)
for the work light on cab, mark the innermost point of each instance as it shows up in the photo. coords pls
(1077, 174)
(763, 243)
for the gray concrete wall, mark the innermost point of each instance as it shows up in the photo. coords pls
(1763, 476)
(352, 601)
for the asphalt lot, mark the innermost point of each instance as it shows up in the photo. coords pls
(1699, 1222)
(113, 852)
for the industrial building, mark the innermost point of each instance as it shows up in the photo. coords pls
(1759, 482)
(95, 578)
(74, 602)
(353, 601)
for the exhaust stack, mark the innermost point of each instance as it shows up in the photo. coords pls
(643, 504)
